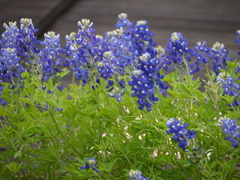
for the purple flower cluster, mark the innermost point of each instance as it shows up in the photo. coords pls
(128, 51)
(232, 130)
(23, 40)
(83, 51)
(136, 175)
(50, 57)
(200, 52)
(180, 133)
(219, 56)
(145, 80)
(10, 67)
(177, 49)
(2, 101)
(230, 87)
(27, 39)
(142, 38)
(118, 53)
(19, 52)
(90, 164)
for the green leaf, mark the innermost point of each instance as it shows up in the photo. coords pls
(26, 100)
(13, 167)
(51, 156)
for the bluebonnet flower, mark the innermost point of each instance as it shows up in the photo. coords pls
(83, 51)
(10, 52)
(177, 49)
(217, 55)
(1, 88)
(144, 81)
(123, 23)
(60, 88)
(21, 45)
(90, 164)
(142, 38)
(143, 89)
(120, 42)
(136, 175)
(238, 39)
(50, 56)
(23, 40)
(180, 133)
(27, 39)
(231, 129)
(119, 56)
(116, 89)
(201, 53)
(106, 68)
(59, 109)
(220, 57)
(10, 67)
(237, 70)
(2, 101)
(230, 87)
(9, 38)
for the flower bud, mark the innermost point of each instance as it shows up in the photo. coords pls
(142, 22)
(175, 37)
(218, 46)
(123, 16)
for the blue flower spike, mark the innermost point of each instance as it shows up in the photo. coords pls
(180, 133)
(51, 59)
(232, 130)
(238, 39)
(230, 87)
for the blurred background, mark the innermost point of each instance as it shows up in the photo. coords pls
(198, 20)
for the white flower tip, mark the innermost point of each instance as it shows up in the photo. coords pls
(117, 32)
(145, 57)
(175, 36)
(84, 23)
(142, 22)
(123, 16)
(107, 54)
(137, 72)
(217, 46)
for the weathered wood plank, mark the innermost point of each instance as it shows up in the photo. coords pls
(43, 12)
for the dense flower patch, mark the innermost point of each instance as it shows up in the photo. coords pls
(131, 105)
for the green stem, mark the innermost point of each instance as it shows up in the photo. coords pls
(99, 177)
(202, 166)
(60, 132)
(73, 78)
(185, 63)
